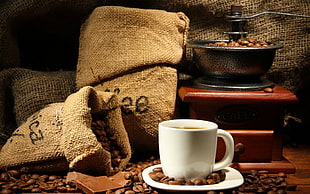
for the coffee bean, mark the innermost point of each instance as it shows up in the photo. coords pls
(215, 176)
(138, 188)
(129, 192)
(35, 176)
(36, 190)
(14, 173)
(128, 176)
(30, 181)
(210, 181)
(166, 179)
(6, 191)
(24, 177)
(268, 90)
(158, 169)
(271, 192)
(120, 191)
(189, 182)
(281, 191)
(153, 176)
(281, 174)
(222, 175)
(198, 182)
(291, 187)
(4, 176)
(173, 182)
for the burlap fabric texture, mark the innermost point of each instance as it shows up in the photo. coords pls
(35, 145)
(59, 136)
(133, 53)
(24, 92)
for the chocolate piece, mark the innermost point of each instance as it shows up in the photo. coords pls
(96, 185)
(73, 176)
(120, 178)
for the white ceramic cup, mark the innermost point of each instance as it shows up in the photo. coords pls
(187, 148)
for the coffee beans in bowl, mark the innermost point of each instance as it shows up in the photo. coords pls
(249, 42)
(242, 60)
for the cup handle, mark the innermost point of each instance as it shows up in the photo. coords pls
(229, 153)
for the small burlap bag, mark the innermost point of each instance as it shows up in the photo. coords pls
(132, 52)
(80, 144)
(24, 92)
(60, 136)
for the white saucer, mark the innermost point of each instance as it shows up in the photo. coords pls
(233, 179)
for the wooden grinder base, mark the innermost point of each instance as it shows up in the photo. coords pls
(255, 120)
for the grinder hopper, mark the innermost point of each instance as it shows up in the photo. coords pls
(227, 67)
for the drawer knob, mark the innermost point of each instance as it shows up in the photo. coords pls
(239, 148)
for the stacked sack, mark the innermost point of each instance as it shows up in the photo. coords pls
(133, 53)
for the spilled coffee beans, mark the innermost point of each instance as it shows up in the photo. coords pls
(14, 181)
(107, 139)
(135, 182)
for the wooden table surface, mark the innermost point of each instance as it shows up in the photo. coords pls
(299, 155)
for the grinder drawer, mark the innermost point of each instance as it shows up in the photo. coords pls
(250, 145)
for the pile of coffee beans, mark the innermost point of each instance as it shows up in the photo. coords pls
(214, 178)
(264, 182)
(254, 181)
(13, 181)
(249, 42)
(107, 139)
(135, 182)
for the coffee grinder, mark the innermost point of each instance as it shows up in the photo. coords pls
(233, 93)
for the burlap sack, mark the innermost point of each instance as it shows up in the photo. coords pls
(131, 52)
(115, 40)
(24, 92)
(59, 136)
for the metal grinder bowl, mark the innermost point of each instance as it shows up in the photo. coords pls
(232, 63)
